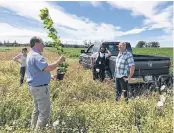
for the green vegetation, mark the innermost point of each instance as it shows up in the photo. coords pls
(75, 52)
(69, 52)
(155, 51)
(78, 104)
(5, 48)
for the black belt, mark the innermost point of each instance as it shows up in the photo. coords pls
(41, 85)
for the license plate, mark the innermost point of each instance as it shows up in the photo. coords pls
(148, 78)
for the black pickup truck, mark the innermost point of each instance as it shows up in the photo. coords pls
(147, 67)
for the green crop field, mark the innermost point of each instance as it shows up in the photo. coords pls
(70, 52)
(155, 51)
(79, 104)
(5, 48)
(75, 52)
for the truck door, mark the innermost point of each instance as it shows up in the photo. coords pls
(86, 57)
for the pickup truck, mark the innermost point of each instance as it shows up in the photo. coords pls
(147, 67)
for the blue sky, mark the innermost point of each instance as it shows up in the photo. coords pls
(75, 22)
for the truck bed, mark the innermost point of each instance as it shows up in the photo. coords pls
(146, 65)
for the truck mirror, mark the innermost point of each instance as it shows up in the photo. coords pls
(82, 51)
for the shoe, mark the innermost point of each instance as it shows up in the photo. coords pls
(117, 99)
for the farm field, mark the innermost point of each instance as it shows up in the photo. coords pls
(5, 48)
(75, 52)
(79, 104)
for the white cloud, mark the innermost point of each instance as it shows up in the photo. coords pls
(21, 35)
(165, 40)
(8, 30)
(154, 18)
(69, 25)
(26, 9)
(74, 29)
(93, 3)
(96, 3)
(135, 31)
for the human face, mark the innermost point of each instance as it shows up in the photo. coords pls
(102, 49)
(122, 47)
(40, 46)
(24, 52)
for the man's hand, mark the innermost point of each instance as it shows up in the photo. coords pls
(60, 60)
(109, 53)
(54, 65)
(127, 79)
(132, 68)
(53, 77)
(16, 58)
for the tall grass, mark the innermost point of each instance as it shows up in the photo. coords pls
(78, 104)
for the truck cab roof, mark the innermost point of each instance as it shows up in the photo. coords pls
(112, 47)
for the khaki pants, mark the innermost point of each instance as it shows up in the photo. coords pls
(41, 112)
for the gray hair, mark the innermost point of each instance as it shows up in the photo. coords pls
(34, 40)
(123, 43)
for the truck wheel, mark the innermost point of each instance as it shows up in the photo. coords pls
(170, 83)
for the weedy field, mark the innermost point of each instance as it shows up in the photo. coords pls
(79, 104)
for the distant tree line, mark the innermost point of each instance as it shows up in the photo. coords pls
(140, 44)
(144, 44)
(11, 44)
(65, 45)
(47, 44)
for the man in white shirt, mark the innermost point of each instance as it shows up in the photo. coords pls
(21, 58)
(99, 62)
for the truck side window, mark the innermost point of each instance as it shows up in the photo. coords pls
(90, 50)
(96, 48)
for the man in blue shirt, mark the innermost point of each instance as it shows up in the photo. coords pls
(124, 70)
(38, 77)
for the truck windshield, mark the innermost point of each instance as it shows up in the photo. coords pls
(113, 48)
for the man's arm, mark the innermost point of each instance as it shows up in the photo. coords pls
(51, 67)
(132, 69)
(54, 65)
(109, 53)
(131, 65)
(17, 57)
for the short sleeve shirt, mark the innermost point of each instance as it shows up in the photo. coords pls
(123, 63)
(35, 73)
